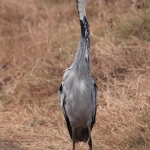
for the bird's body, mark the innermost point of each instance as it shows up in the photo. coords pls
(78, 91)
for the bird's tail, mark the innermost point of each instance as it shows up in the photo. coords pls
(81, 134)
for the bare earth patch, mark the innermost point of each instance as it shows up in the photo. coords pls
(8, 145)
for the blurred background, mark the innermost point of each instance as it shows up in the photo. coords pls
(38, 41)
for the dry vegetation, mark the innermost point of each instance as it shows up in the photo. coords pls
(38, 40)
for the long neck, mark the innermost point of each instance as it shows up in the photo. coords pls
(85, 30)
(85, 34)
(83, 54)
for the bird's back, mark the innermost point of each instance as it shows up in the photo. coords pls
(78, 90)
(78, 102)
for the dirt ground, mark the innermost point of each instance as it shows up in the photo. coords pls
(8, 145)
(38, 41)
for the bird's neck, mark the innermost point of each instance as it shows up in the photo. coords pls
(85, 32)
(85, 29)
(81, 4)
(82, 59)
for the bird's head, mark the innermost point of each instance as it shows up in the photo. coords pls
(81, 4)
(82, 1)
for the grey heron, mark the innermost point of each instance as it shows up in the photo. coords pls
(78, 91)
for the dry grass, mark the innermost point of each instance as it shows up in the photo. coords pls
(38, 40)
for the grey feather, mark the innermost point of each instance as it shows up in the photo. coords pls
(78, 91)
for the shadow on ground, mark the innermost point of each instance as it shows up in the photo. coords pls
(9, 145)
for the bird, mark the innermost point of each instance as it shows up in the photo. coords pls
(78, 90)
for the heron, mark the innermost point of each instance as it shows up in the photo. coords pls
(78, 91)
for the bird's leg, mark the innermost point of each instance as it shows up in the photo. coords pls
(73, 145)
(73, 139)
(90, 139)
(90, 143)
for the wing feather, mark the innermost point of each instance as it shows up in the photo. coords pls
(63, 102)
(94, 99)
